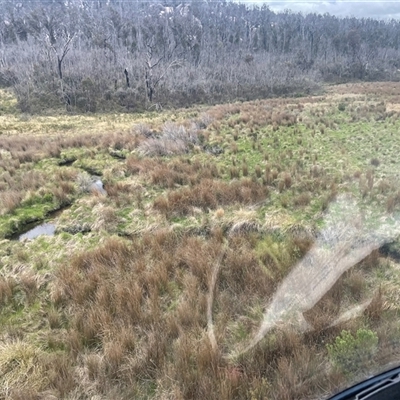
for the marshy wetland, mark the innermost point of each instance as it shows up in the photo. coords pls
(173, 232)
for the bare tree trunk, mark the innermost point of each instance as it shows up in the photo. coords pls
(128, 85)
(149, 84)
(60, 60)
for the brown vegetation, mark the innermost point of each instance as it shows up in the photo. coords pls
(210, 194)
(205, 239)
(136, 308)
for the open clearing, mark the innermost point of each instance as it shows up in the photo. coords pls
(149, 291)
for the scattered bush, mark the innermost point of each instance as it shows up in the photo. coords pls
(84, 181)
(143, 130)
(174, 139)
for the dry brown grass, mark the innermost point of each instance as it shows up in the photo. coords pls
(182, 172)
(137, 165)
(351, 90)
(245, 169)
(142, 327)
(62, 193)
(287, 180)
(118, 303)
(7, 286)
(234, 172)
(138, 309)
(234, 148)
(210, 194)
(10, 200)
(301, 200)
(29, 286)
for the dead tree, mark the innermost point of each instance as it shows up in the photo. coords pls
(61, 54)
(156, 69)
(128, 85)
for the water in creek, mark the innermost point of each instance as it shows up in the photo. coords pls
(97, 186)
(47, 228)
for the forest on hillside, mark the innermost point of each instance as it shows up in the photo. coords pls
(87, 56)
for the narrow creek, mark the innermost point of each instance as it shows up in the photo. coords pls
(97, 186)
(48, 227)
(37, 228)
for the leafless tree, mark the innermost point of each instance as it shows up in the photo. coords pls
(94, 55)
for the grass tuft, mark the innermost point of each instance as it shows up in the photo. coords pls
(22, 369)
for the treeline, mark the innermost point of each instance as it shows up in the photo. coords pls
(129, 56)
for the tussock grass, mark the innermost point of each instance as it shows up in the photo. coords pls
(210, 194)
(23, 370)
(145, 335)
(182, 172)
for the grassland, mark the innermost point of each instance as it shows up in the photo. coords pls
(117, 304)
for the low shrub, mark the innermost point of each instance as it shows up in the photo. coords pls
(174, 139)
(352, 353)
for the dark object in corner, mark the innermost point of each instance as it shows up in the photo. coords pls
(385, 386)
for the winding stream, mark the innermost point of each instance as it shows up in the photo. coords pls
(35, 229)
(46, 228)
